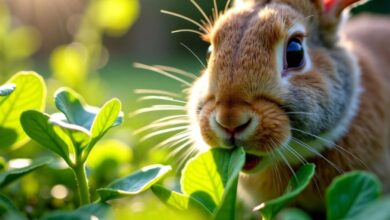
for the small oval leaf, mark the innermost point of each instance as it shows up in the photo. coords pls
(134, 183)
(109, 116)
(29, 95)
(179, 201)
(74, 108)
(77, 112)
(206, 176)
(38, 127)
(295, 186)
(378, 210)
(350, 193)
(292, 214)
(80, 136)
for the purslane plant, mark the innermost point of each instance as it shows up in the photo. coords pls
(73, 132)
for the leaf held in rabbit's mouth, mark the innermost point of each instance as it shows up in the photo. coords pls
(251, 162)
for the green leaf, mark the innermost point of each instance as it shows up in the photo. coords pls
(295, 186)
(378, 210)
(79, 135)
(74, 108)
(7, 89)
(227, 209)
(29, 95)
(38, 127)
(292, 214)
(134, 183)
(76, 111)
(64, 215)
(206, 176)
(91, 211)
(105, 119)
(101, 210)
(9, 211)
(179, 201)
(14, 174)
(350, 193)
(6, 205)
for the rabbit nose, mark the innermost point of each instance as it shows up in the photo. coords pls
(233, 123)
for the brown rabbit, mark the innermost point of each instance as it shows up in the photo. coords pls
(290, 86)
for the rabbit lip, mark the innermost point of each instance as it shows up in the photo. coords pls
(251, 162)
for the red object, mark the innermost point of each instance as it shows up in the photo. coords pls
(328, 4)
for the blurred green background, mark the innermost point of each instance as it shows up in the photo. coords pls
(91, 46)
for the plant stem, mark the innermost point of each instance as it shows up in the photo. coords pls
(82, 183)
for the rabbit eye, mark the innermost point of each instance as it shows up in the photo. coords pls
(294, 54)
(209, 51)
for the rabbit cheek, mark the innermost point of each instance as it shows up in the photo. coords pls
(206, 131)
(273, 130)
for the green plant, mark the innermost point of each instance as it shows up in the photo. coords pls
(208, 183)
(209, 186)
(25, 90)
(73, 132)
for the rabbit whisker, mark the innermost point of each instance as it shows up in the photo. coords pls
(287, 163)
(164, 73)
(157, 92)
(160, 125)
(185, 18)
(194, 54)
(177, 71)
(337, 147)
(164, 131)
(162, 98)
(187, 30)
(202, 12)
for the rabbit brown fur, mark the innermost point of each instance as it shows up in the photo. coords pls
(246, 97)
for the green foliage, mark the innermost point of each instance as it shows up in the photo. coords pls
(134, 183)
(292, 214)
(76, 129)
(354, 195)
(50, 136)
(6, 205)
(351, 193)
(97, 210)
(14, 174)
(378, 210)
(30, 93)
(295, 186)
(8, 210)
(209, 182)
(179, 201)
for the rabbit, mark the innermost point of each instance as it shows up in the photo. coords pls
(294, 81)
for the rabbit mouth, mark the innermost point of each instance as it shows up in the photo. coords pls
(251, 162)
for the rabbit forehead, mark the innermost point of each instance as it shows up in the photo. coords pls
(245, 43)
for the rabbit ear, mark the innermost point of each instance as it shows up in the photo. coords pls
(336, 7)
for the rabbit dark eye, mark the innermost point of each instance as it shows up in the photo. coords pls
(209, 51)
(295, 54)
